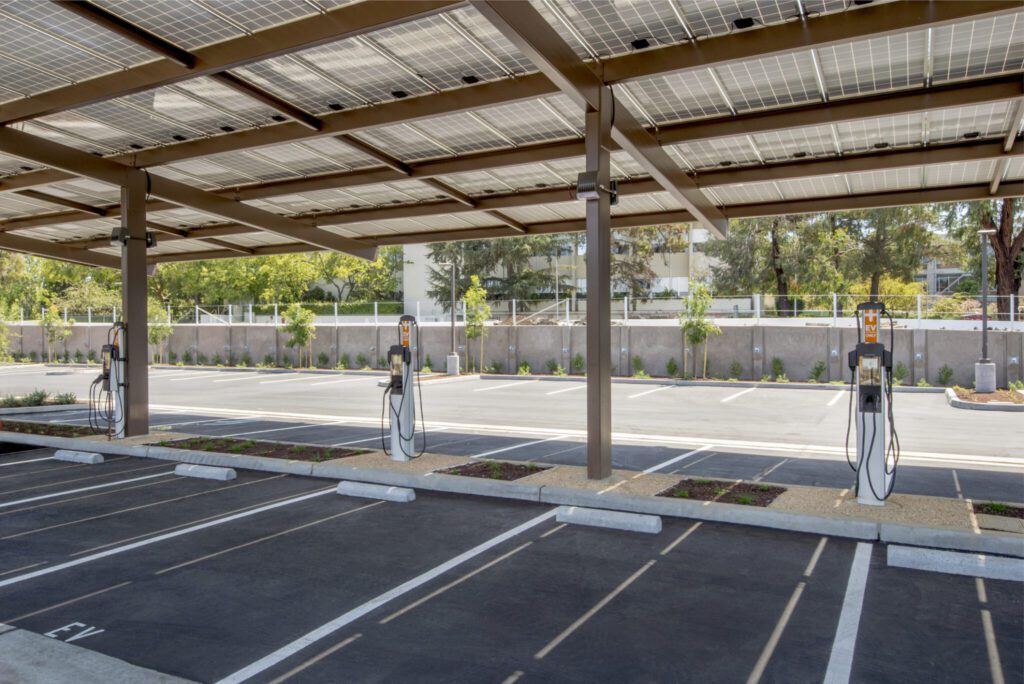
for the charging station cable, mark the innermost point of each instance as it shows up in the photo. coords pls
(395, 416)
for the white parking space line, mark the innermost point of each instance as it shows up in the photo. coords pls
(30, 460)
(517, 446)
(325, 630)
(222, 421)
(163, 537)
(738, 394)
(301, 376)
(567, 389)
(346, 380)
(839, 395)
(841, 659)
(240, 377)
(681, 457)
(507, 384)
(650, 391)
(83, 489)
(194, 377)
(278, 429)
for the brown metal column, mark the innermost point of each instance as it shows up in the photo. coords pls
(599, 319)
(135, 346)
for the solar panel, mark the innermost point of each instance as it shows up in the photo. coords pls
(966, 173)
(770, 82)
(677, 96)
(884, 63)
(984, 46)
(885, 180)
(182, 22)
(747, 193)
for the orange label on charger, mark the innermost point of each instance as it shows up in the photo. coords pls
(405, 333)
(871, 325)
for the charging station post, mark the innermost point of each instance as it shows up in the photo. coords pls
(400, 393)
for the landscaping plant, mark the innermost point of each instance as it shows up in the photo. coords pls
(817, 371)
(945, 375)
(476, 314)
(300, 324)
(694, 323)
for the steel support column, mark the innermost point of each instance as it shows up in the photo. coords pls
(135, 345)
(599, 316)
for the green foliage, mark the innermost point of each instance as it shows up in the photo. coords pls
(79, 356)
(945, 375)
(781, 377)
(159, 330)
(35, 398)
(635, 249)
(91, 356)
(693, 320)
(187, 357)
(428, 363)
(217, 360)
(5, 342)
(766, 378)
(578, 363)
(65, 398)
(201, 359)
(362, 362)
(246, 360)
(1017, 385)
(344, 362)
(300, 324)
(358, 279)
(524, 369)
(559, 371)
(33, 357)
(322, 360)
(382, 362)
(269, 361)
(671, 368)
(638, 364)
(493, 469)
(778, 368)
(551, 365)
(900, 373)
(736, 370)
(818, 371)
(497, 366)
(923, 383)
(56, 329)
(477, 313)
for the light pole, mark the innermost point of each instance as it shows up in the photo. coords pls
(984, 370)
(453, 355)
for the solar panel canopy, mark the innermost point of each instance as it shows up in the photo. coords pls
(396, 122)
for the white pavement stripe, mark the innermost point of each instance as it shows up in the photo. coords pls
(375, 378)
(278, 429)
(207, 420)
(517, 446)
(288, 650)
(677, 459)
(518, 383)
(738, 394)
(300, 376)
(840, 661)
(82, 489)
(153, 540)
(30, 460)
(567, 389)
(243, 376)
(650, 391)
(196, 376)
(839, 395)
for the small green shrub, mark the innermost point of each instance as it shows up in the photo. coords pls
(817, 371)
(736, 370)
(91, 356)
(246, 360)
(382, 362)
(1017, 385)
(201, 359)
(35, 398)
(322, 360)
(778, 368)
(65, 357)
(65, 398)
(551, 365)
(344, 362)
(900, 373)
(362, 361)
(682, 494)
(559, 371)
(578, 363)
(497, 366)
(672, 368)
(187, 358)
(494, 470)
(268, 361)
(217, 360)
(744, 500)
(428, 363)
(172, 358)
(79, 356)
(286, 361)
(923, 383)
(642, 375)
(638, 365)
(766, 378)
(945, 375)
(524, 369)
(781, 377)
(33, 356)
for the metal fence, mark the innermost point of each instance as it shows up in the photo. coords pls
(796, 309)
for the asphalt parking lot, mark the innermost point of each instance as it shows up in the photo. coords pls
(786, 436)
(276, 578)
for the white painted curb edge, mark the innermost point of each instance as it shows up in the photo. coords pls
(205, 472)
(957, 402)
(954, 563)
(616, 520)
(89, 458)
(375, 491)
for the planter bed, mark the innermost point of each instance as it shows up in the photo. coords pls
(1000, 396)
(250, 447)
(49, 429)
(1000, 509)
(722, 491)
(494, 470)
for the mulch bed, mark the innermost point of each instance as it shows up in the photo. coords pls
(999, 396)
(249, 447)
(1003, 510)
(48, 429)
(494, 470)
(723, 491)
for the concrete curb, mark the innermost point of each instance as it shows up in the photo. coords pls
(205, 472)
(613, 520)
(957, 402)
(705, 383)
(89, 458)
(954, 563)
(372, 491)
(942, 538)
(49, 408)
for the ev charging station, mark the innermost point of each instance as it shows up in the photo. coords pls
(400, 393)
(107, 391)
(871, 381)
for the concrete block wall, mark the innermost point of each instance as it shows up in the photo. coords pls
(924, 352)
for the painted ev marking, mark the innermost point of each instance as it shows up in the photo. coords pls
(86, 631)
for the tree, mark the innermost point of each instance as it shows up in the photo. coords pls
(694, 323)
(635, 249)
(159, 330)
(359, 279)
(56, 329)
(478, 312)
(88, 294)
(891, 241)
(1006, 217)
(5, 342)
(300, 325)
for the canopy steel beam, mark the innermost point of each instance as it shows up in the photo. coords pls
(871, 161)
(254, 92)
(83, 164)
(129, 31)
(55, 250)
(1012, 130)
(333, 25)
(526, 29)
(963, 94)
(134, 300)
(79, 207)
